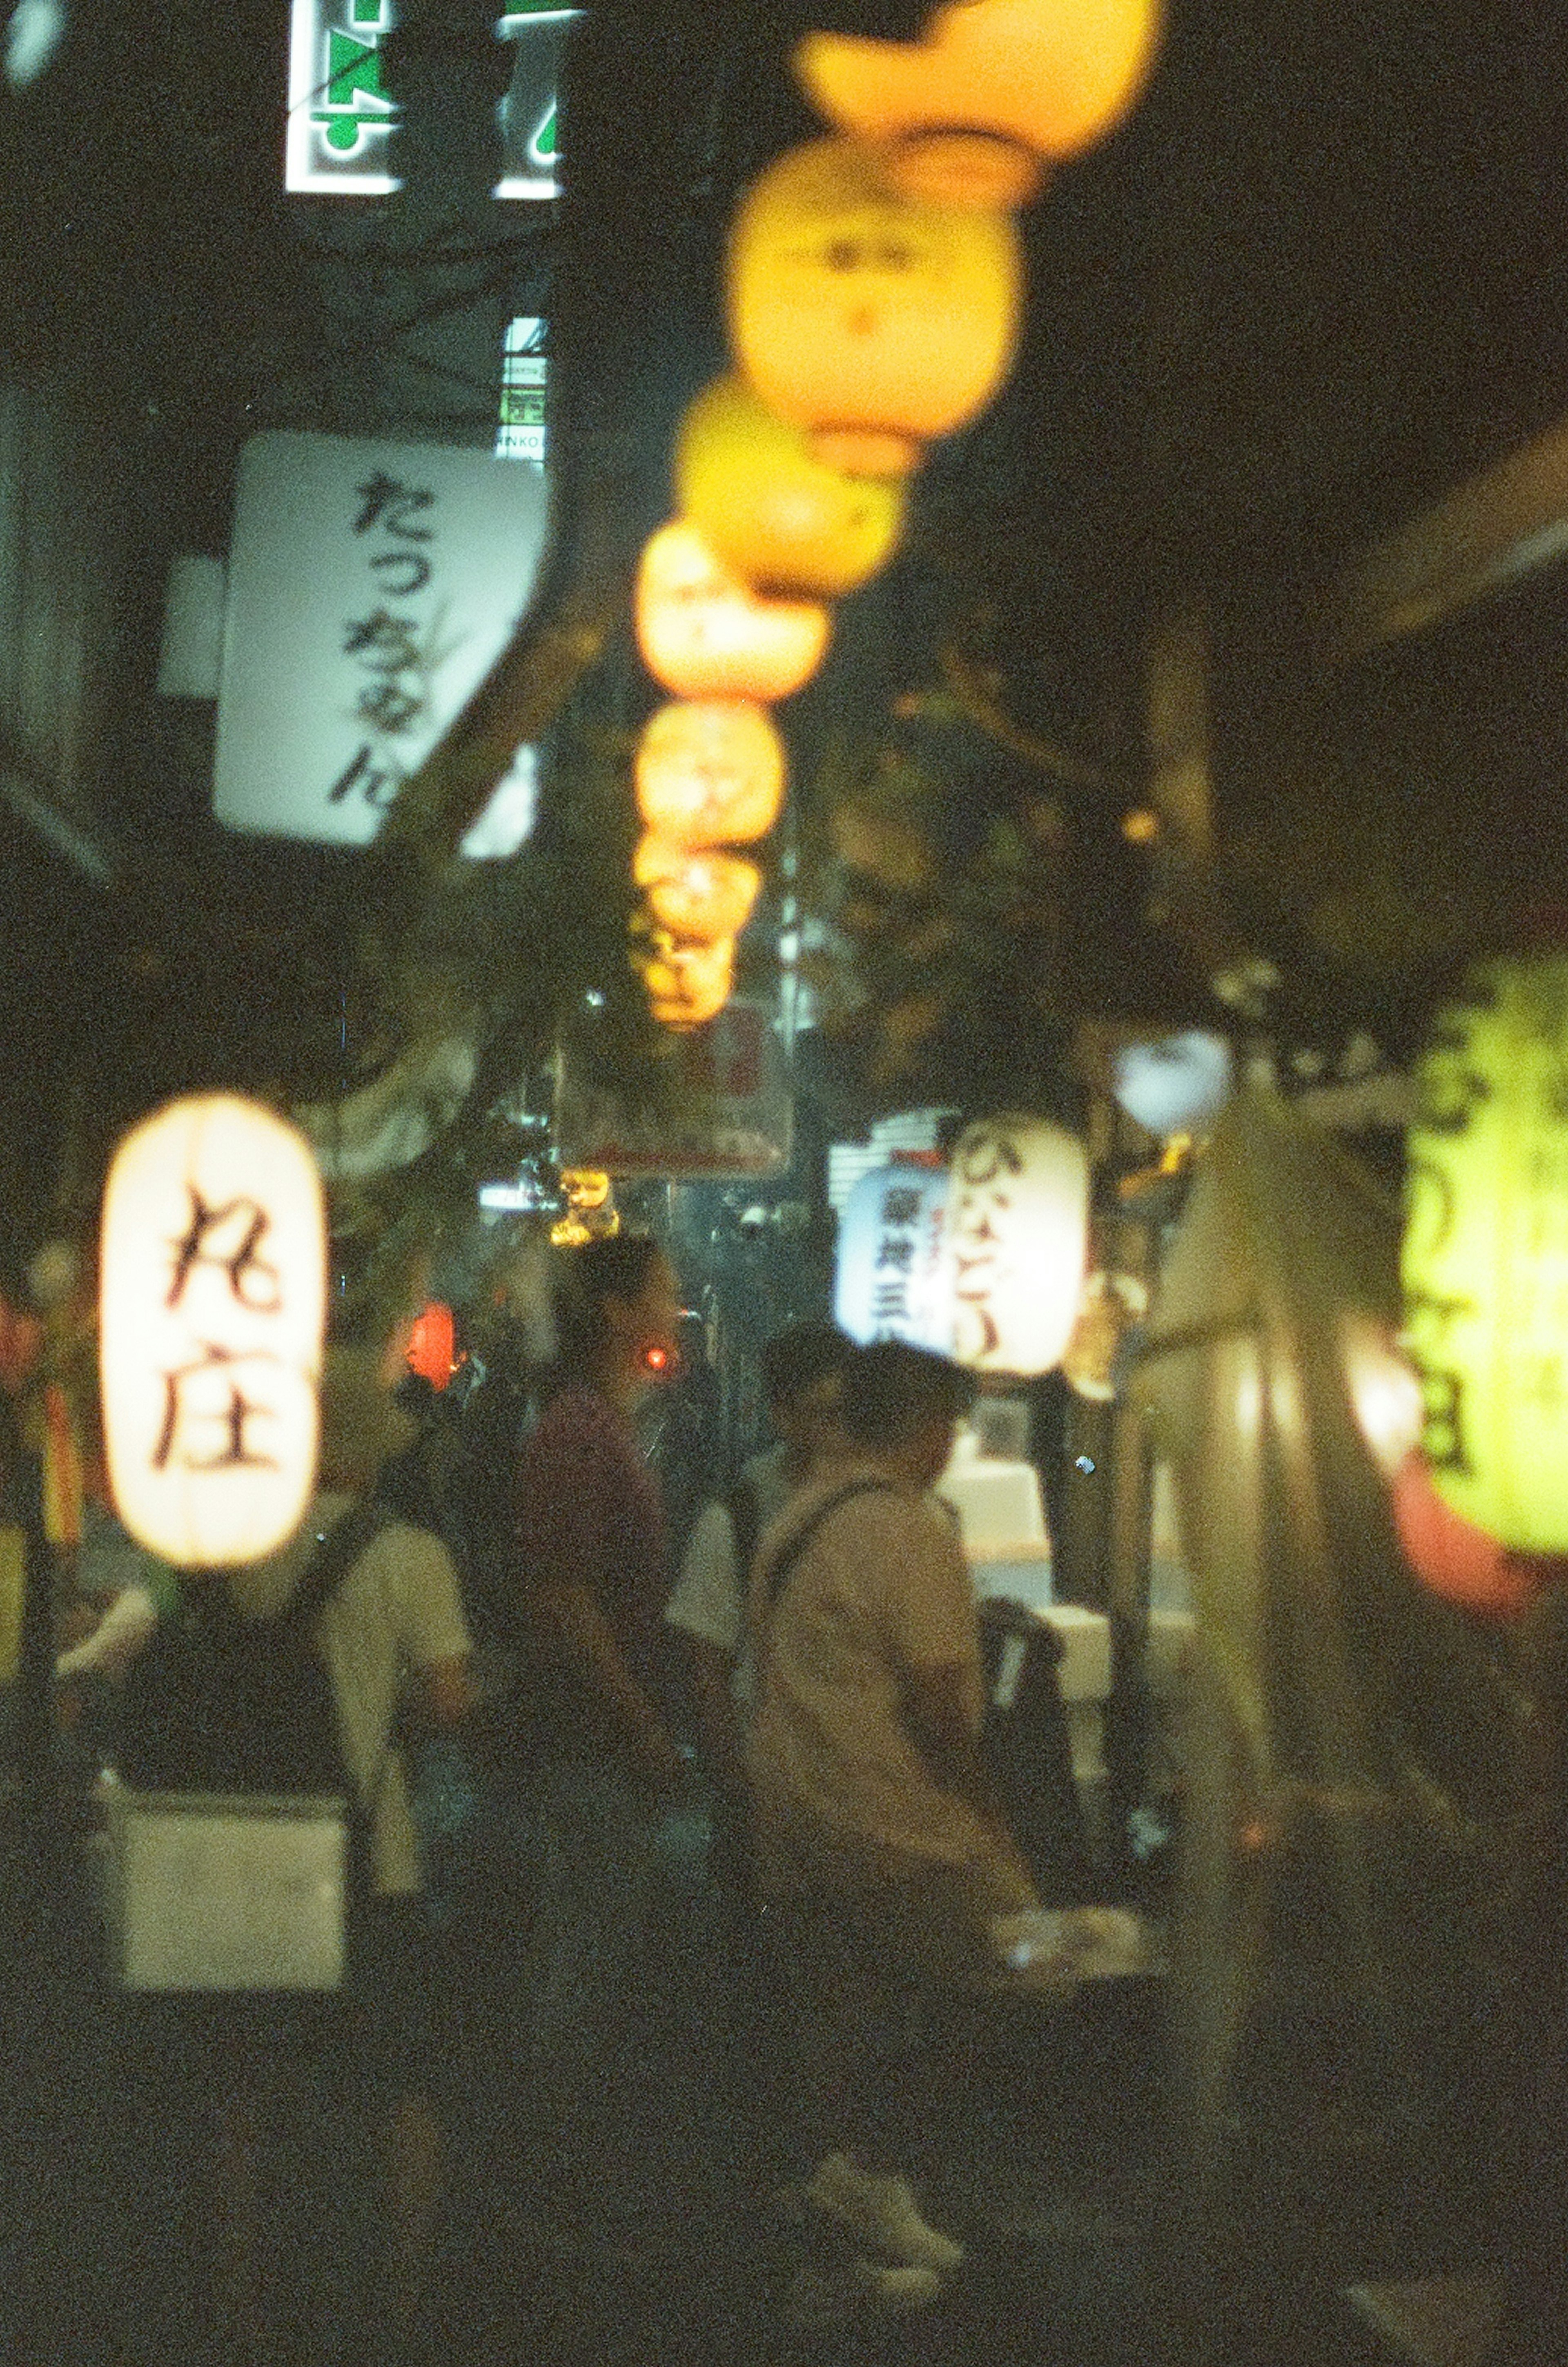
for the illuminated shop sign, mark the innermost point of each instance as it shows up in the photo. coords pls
(340, 116)
(371, 587)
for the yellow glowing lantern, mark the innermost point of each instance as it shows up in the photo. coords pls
(695, 891)
(687, 984)
(1015, 1243)
(780, 518)
(875, 321)
(212, 1301)
(710, 771)
(704, 634)
(968, 112)
(1485, 1254)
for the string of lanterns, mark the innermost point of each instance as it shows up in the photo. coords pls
(875, 293)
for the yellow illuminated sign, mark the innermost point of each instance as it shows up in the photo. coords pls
(1485, 1255)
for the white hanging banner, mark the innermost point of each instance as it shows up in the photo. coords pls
(371, 587)
(891, 1282)
(340, 116)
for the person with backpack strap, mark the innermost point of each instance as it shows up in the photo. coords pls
(802, 1375)
(288, 1676)
(882, 1851)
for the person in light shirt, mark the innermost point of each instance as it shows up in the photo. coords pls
(882, 1851)
(802, 1373)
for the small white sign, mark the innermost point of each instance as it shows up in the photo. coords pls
(340, 117)
(371, 587)
(729, 1110)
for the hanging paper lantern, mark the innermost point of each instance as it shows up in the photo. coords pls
(1016, 1243)
(695, 893)
(890, 1281)
(780, 518)
(212, 1300)
(709, 772)
(991, 88)
(875, 322)
(432, 1350)
(704, 634)
(687, 984)
(1456, 1559)
(1485, 1254)
(1175, 1085)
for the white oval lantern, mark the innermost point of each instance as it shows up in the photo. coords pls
(1485, 1256)
(1175, 1085)
(1016, 1243)
(212, 1304)
(890, 1277)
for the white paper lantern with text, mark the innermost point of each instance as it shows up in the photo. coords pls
(212, 1304)
(890, 1277)
(1015, 1244)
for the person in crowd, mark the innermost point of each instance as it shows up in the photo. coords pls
(595, 1761)
(802, 1377)
(802, 1373)
(395, 1644)
(882, 1851)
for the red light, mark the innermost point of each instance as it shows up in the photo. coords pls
(432, 1348)
(1458, 1560)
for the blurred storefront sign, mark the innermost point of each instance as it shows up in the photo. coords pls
(340, 117)
(371, 587)
(725, 1108)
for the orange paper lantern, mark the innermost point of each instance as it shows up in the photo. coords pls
(856, 312)
(688, 983)
(432, 1350)
(704, 634)
(993, 86)
(781, 518)
(695, 893)
(212, 1301)
(710, 771)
